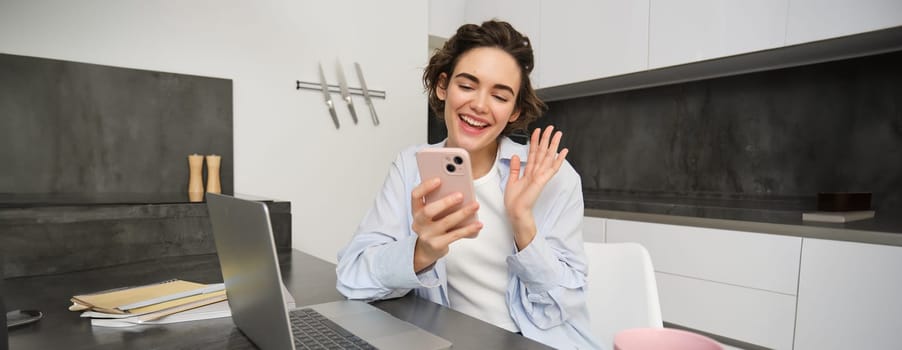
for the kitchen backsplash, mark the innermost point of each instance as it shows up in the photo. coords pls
(792, 132)
(82, 129)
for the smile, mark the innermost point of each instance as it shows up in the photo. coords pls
(473, 122)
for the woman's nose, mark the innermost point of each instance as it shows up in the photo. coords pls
(479, 103)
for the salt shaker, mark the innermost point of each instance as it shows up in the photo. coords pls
(195, 178)
(213, 183)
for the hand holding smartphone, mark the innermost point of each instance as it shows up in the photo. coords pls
(452, 166)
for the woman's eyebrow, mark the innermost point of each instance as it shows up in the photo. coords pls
(476, 80)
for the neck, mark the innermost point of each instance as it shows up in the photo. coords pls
(482, 160)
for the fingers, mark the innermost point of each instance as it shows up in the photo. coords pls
(469, 231)
(436, 236)
(458, 216)
(543, 152)
(515, 170)
(419, 193)
(555, 142)
(560, 159)
(430, 248)
(551, 150)
(426, 221)
(533, 147)
(543, 145)
(428, 212)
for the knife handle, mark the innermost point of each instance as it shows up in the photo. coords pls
(353, 112)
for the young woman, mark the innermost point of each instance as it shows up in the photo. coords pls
(522, 266)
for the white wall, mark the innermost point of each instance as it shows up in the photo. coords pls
(285, 144)
(445, 16)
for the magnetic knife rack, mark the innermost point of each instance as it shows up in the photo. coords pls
(336, 89)
(345, 91)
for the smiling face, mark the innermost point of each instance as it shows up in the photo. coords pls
(480, 100)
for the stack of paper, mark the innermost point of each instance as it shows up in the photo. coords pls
(214, 310)
(159, 303)
(165, 302)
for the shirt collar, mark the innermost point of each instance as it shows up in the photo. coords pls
(507, 148)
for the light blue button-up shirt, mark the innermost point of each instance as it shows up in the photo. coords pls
(546, 280)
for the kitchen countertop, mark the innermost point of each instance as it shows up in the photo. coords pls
(81, 232)
(29, 200)
(773, 215)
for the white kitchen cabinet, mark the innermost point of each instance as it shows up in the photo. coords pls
(584, 40)
(740, 285)
(581, 40)
(695, 30)
(751, 315)
(754, 260)
(811, 20)
(594, 229)
(850, 296)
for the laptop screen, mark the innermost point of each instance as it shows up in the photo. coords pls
(243, 237)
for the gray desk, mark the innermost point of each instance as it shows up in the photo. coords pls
(309, 280)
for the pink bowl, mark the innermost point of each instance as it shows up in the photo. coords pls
(662, 339)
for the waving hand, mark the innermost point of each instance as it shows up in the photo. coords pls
(524, 185)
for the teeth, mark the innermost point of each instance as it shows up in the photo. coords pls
(472, 121)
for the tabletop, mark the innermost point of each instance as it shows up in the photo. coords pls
(309, 279)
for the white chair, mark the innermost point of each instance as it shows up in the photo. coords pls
(622, 292)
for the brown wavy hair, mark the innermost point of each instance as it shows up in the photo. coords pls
(498, 34)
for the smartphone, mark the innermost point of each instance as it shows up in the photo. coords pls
(22, 317)
(452, 166)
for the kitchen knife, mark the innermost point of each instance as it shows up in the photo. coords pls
(366, 93)
(327, 96)
(345, 93)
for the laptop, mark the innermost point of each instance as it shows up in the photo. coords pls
(253, 283)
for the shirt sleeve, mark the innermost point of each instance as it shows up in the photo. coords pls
(378, 261)
(552, 269)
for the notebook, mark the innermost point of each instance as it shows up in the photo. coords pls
(205, 312)
(247, 255)
(146, 299)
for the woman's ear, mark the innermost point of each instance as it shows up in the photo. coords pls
(514, 116)
(441, 87)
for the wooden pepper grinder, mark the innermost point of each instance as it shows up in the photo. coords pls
(195, 178)
(213, 184)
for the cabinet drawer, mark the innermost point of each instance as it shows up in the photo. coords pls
(756, 260)
(750, 315)
(849, 296)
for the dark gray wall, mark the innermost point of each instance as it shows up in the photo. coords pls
(835, 126)
(68, 127)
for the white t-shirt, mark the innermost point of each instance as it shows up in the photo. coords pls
(477, 267)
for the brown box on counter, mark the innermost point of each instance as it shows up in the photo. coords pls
(843, 201)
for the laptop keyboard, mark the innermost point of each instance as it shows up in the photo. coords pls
(314, 331)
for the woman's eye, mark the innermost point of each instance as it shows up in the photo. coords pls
(501, 98)
(465, 87)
